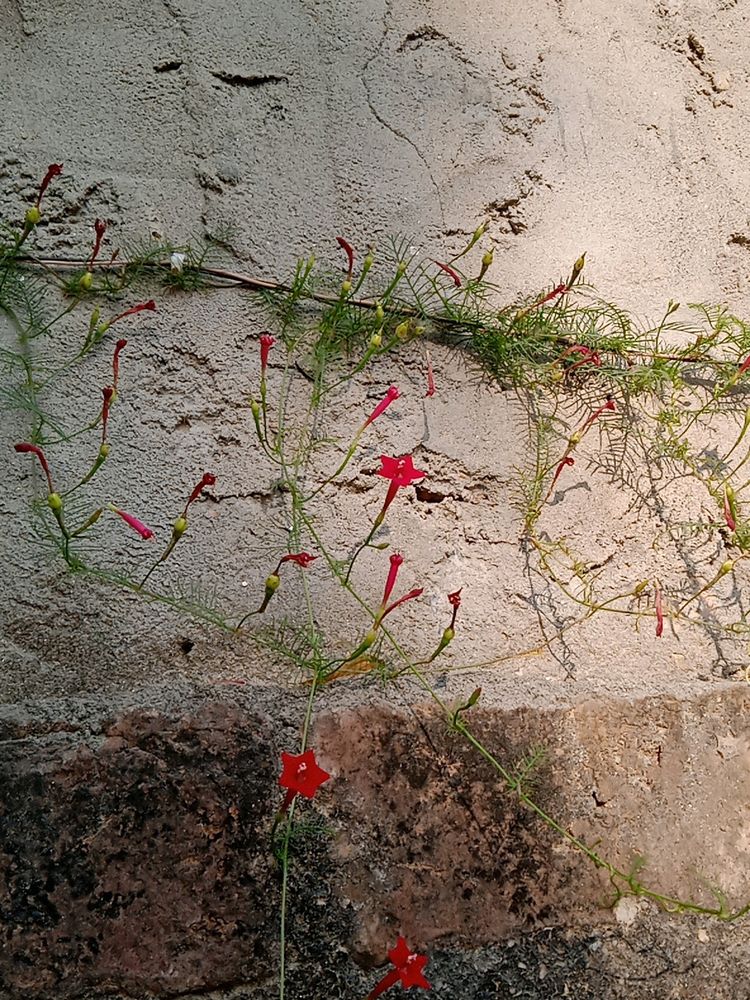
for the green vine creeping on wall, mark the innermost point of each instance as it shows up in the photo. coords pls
(632, 403)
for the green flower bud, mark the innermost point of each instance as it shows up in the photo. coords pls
(180, 527)
(379, 313)
(401, 269)
(272, 583)
(85, 281)
(346, 287)
(474, 697)
(104, 450)
(376, 340)
(55, 501)
(32, 217)
(402, 330)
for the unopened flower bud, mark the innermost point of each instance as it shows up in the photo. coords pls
(639, 588)
(55, 501)
(346, 287)
(401, 269)
(376, 340)
(85, 281)
(575, 438)
(726, 567)
(402, 330)
(474, 697)
(487, 258)
(379, 313)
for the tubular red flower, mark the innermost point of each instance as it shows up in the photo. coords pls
(558, 290)
(36, 450)
(266, 343)
(349, 251)
(150, 305)
(107, 394)
(407, 971)
(302, 559)
(99, 229)
(568, 460)
(116, 361)
(450, 272)
(382, 406)
(53, 170)
(133, 522)
(208, 479)
(744, 366)
(396, 562)
(455, 602)
(588, 356)
(417, 592)
(401, 472)
(609, 405)
(300, 775)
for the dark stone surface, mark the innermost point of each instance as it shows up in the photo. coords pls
(138, 860)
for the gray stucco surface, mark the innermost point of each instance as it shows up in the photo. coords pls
(616, 128)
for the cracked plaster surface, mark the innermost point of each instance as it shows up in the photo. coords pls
(621, 132)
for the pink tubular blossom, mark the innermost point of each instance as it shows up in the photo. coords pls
(266, 343)
(36, 450)
(382, 406)
(744, 366)
(728, 515)
(450, 272)
(134, 523)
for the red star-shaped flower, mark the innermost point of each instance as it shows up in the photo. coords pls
(400, 471)
(409, 964)
(301, 774)
(302, 559)
(408, 970)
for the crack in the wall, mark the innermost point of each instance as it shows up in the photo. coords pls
(240, 80)
(170, 66)
(392, 128)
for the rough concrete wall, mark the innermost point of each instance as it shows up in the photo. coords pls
(616, 128)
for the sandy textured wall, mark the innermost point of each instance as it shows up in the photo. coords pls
(616, 128)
